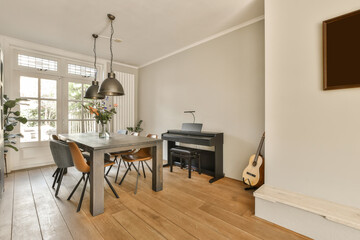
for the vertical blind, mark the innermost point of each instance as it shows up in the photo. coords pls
(125, 116)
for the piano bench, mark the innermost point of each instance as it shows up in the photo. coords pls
(184, 153)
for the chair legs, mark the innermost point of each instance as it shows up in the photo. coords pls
(83, 193)
(56, 174)
(137, 178)
(122, 179)
(117, 172)
(77, 185)
(142, 164)
(84, 189)
(112, 188)
(56, 171)
(60, 177)
(148, 166)
(108, 170)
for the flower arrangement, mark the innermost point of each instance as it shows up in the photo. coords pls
(103, 113)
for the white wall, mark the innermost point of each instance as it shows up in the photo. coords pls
(223, 81)
(312, 136)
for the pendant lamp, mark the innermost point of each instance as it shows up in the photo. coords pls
(111, 86)
(92, 91)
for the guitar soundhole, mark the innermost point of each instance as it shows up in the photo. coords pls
(254, 164)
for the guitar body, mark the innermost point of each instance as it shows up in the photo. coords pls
(254, 175)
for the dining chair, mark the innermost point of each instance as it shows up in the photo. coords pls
(85, 154)
(63, 159)
(119, 155)
(55, 137)
(122, 131)
(141, 156)
(84, 168)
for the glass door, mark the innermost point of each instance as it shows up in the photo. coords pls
(41, 109)
(78, 119)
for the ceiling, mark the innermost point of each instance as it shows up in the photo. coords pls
(148, 29)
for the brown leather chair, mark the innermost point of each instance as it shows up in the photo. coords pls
(143, 155)
(118, 155)
(84, 168)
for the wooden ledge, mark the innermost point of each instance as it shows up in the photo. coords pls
(348, 216)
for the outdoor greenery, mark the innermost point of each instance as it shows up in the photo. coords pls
(11, 119)
(137, 128)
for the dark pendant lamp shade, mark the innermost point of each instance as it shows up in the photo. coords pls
(92, 91)
(111, 86)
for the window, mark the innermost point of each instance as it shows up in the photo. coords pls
(40, 109)
(38, 63)
(81, 70)
(79, 120)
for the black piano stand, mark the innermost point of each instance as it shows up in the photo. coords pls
(214, 179)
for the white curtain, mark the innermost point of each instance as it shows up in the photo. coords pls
(125, 116)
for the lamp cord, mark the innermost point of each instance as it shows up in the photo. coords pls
(95, 58)
(111, 36)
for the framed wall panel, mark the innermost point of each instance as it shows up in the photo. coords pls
(341, 52)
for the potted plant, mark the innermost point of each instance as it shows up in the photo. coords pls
(11, 119)
(137, 128)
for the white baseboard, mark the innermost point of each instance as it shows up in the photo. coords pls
(32, 165)
(315, 218)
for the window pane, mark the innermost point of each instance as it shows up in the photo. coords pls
(39, 63)
(30, 131)
(81, 70)
(28, 87)
(48, 88)
(74, 126)
(75, 91)
(48, 109)
(89, 126)
(29, 109)
(48, 128)
(75, 110)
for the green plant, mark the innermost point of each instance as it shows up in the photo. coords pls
(137, 128)
(11, 119)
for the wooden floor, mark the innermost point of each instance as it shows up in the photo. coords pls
(185, 209)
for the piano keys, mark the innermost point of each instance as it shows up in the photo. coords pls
(211, 161)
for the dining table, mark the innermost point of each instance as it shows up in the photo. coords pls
(98, 147)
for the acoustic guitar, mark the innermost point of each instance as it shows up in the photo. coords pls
(253, 175)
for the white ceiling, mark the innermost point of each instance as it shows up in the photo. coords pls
(149, 28)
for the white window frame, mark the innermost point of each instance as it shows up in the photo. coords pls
(16, 52)
(61, 75)
(67, 100)
(58, 100)
(75, 76)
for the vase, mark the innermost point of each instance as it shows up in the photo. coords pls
(103, 131)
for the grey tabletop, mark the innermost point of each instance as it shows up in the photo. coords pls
(93, 141)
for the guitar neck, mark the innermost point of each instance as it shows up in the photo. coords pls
(259, 148)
